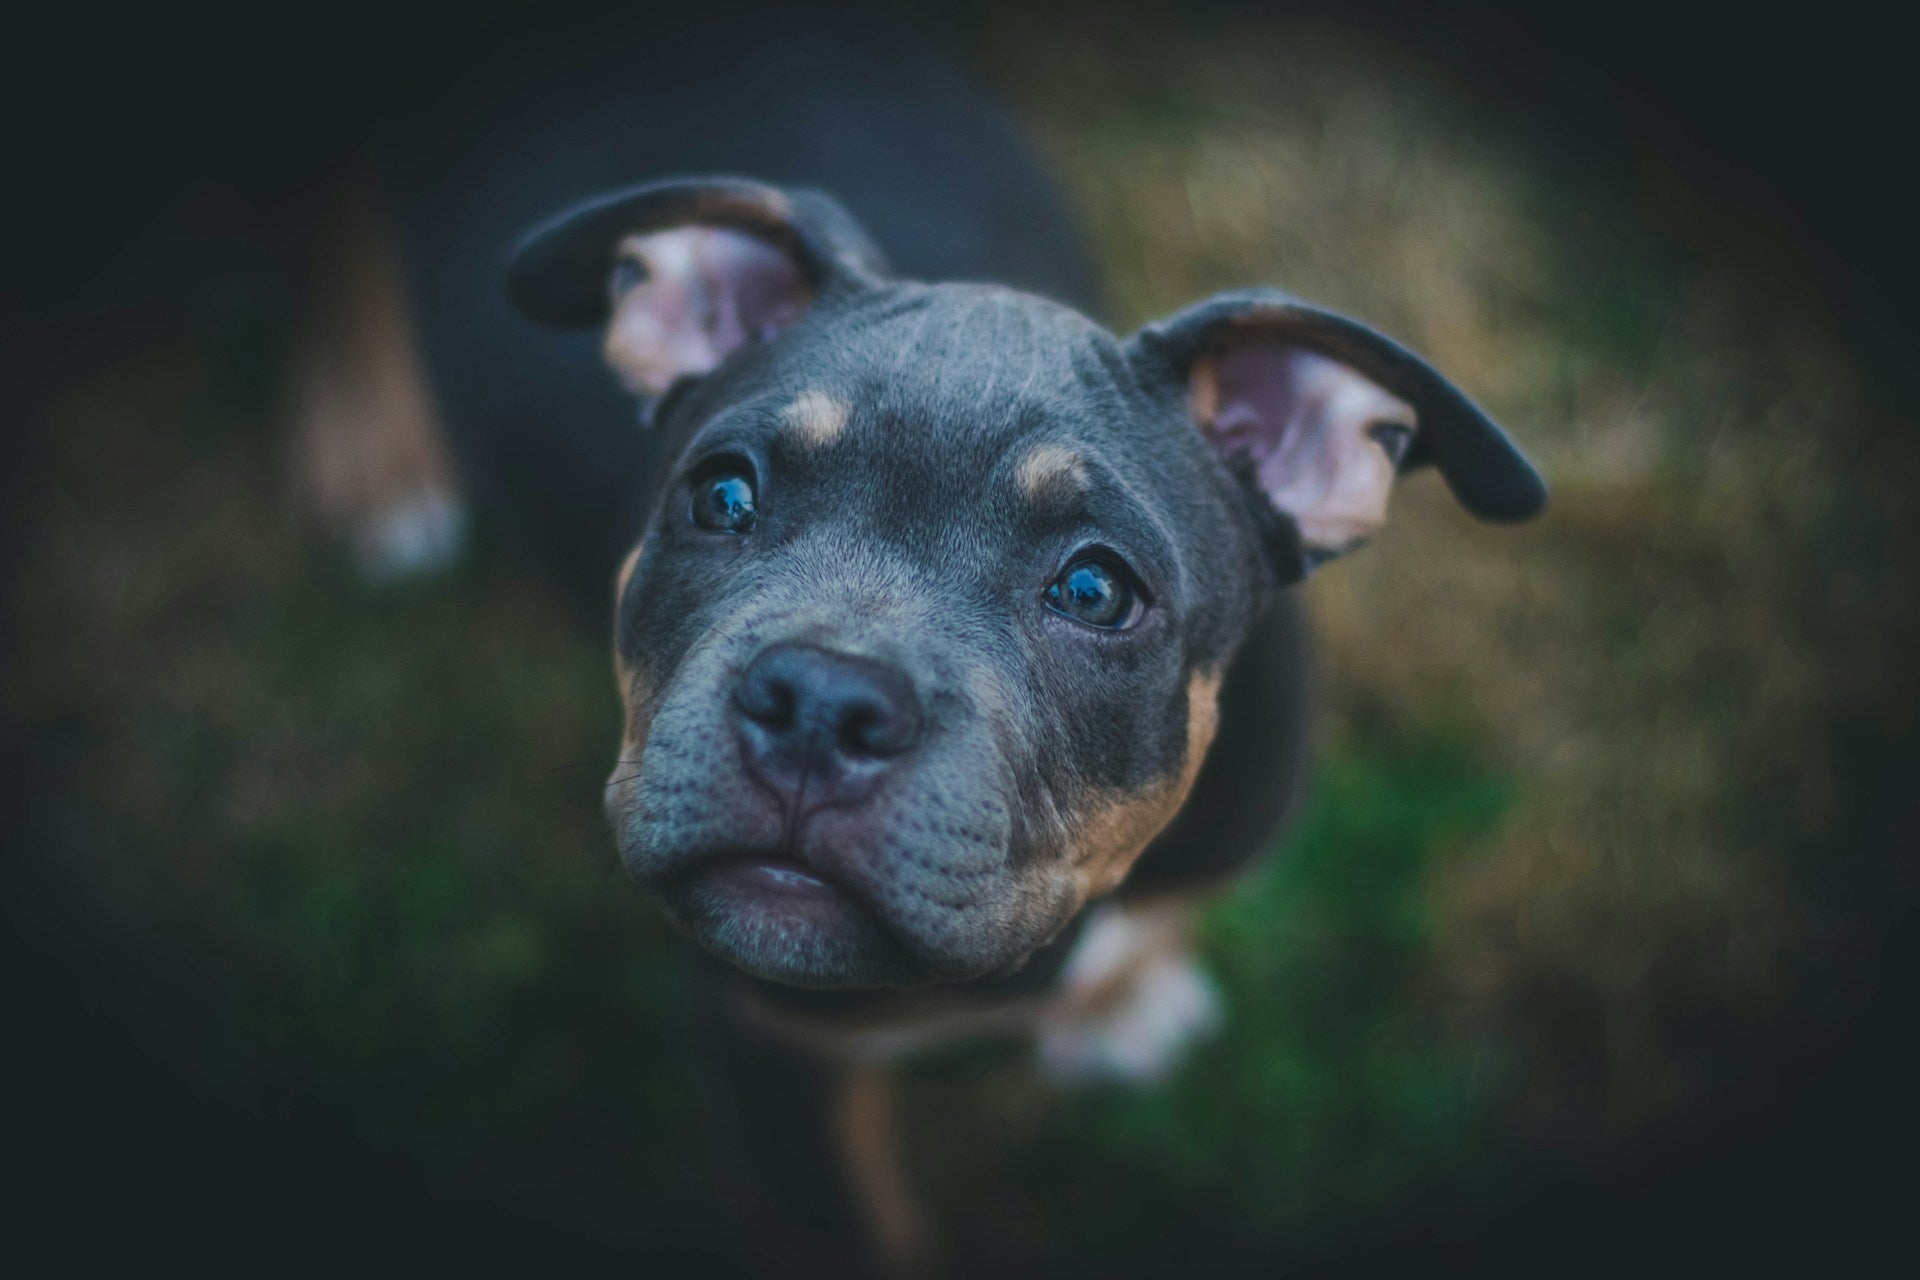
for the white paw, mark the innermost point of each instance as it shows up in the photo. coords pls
(417, 536)
(1172, 1006)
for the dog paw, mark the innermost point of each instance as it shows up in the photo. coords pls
(1172, 1005)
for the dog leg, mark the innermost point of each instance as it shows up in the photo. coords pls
(370, 452)
(867, 1125)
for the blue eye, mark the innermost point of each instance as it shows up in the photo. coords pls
(1096, 593)
(724, 500)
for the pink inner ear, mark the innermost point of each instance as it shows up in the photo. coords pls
(707, 292)
(1306, 421)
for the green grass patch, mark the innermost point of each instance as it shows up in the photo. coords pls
(1331, 1096)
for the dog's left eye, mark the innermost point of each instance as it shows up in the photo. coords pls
(723, 499)
(1097, 593)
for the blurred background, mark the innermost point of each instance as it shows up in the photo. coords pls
(1593, 943)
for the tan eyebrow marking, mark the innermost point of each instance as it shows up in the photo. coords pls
(816, 417)
(1047, 465)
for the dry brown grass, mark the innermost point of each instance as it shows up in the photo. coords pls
(1663, 661)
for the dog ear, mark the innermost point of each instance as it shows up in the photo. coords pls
(682, 273)
(1318, 414)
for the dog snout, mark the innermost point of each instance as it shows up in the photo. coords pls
(823, 722)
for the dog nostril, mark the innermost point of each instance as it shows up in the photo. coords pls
(860, 732)
(768, 701)
(877, 730)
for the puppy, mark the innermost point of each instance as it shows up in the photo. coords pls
(953, 631)
(946, 596)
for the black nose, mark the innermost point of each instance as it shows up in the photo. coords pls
(832, 723)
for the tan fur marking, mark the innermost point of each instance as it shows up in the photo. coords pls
(1112, 837)
(866, 1121)
(816, 418)
(1048, 465)
(626, 570)
(619, 590)
(638, 697)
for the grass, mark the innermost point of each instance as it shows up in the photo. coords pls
(1332, 1094)
(363, 832)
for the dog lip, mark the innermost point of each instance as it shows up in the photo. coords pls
(780, 875)
(789, 874)
(786, 874)
(776, 868)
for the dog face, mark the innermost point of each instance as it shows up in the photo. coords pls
(929, 620)
(922, 644)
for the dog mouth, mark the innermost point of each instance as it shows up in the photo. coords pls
(768, 882)
(788, 921)
(776, 875)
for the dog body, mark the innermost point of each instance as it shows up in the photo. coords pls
(953, 630)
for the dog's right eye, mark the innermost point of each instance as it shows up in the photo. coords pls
(723, 499)
(1097, 592)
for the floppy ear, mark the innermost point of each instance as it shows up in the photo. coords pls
(684, 272)
(1319, 414)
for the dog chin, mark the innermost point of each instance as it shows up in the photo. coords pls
(779, 922)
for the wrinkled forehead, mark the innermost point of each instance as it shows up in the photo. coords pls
(984, 365)
(920, 401)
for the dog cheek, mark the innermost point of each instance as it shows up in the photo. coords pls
(640, 703)
(1117, 828)
(681, 784)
